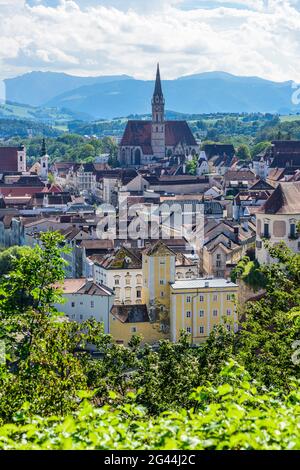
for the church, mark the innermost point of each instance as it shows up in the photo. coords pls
(158, 140)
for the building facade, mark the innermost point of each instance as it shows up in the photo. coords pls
(198, 305)
(277, 221)
(146, 142)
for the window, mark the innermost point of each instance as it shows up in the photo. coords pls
(81, 317)
(188, 330)
(293, 230)
(92, 304)
(229, 297)
(139, 294)
(162, 282)
(73, 304)
(228, 312)
(188, 299)
(218, 264)
(201, 313)
(201, 298)
(215, 298)
(201, 330)
(127, 292)
(162, 294)
(218, 256)
(188, 314)
(117, 282)
(266, 231)
(215, 313)
(133, 329)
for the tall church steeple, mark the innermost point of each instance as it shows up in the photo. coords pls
(44, 161)
(158, 119)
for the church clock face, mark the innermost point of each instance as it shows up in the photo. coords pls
(157, 108)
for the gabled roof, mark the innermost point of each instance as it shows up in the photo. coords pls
(131, 313)
(212, 150)
(276, 174)
(261, 184)
(159, 249)
(84, 286)
(244, 175)
(284, 200)
(138, 134)
(179, 132)
(285, 160)
(123, 258)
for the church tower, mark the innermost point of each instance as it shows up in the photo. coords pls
(158, 119)
(44, 162)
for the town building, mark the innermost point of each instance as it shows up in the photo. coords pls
(122, 270)
(85, 300)
(277, 220)
(146, 142)
(199, 305)
(13, 159)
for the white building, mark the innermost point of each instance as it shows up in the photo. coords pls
(277, 220)
(85, 300)
(122, 272)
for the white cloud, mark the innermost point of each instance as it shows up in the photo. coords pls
(247, 37)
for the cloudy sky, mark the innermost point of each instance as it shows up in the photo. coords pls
(96, 37)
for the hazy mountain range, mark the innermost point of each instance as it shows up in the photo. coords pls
(115, 96)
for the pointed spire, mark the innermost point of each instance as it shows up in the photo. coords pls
(158, 88)
(44, 149)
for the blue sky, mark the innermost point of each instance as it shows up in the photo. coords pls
(96, 37)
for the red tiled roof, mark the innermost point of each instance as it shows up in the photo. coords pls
(138, 133)
(18, 191)
(9, 158)
(179, 131)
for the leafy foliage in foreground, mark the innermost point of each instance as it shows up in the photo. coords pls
(173, 397)
(231, 416)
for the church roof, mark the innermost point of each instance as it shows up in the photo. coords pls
(158, 89)
(9, 158)
(138, 134)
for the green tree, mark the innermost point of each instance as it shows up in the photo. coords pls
(9, 257)
(243, 152)
(269, 330)
(191, 166)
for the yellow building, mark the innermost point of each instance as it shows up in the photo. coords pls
(158, 273)
(127, 321)
(170, 306)
(197, 305)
